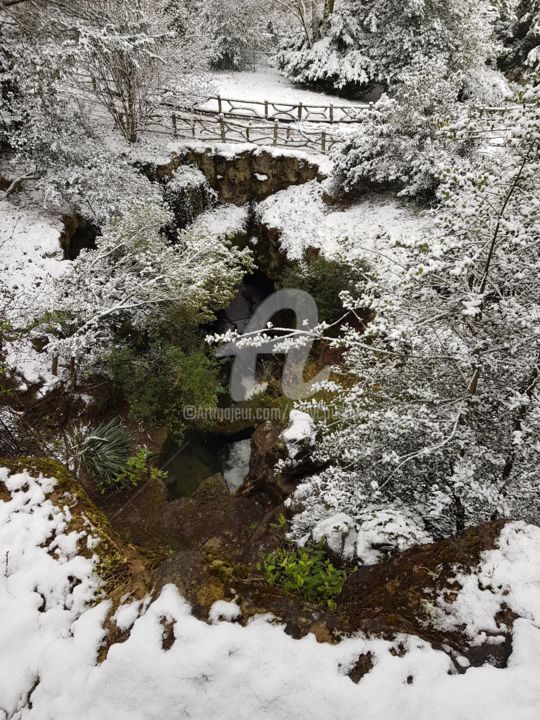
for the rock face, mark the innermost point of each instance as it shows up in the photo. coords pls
(396, 596)
(246, 176)
(267, 447)
(188, 194)
(78, 233)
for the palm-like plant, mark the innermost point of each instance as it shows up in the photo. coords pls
(103, 451)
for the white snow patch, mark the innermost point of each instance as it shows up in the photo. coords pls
(223, 221)
(506, 574)
(301, 430)
(51, 633)
(269, 85)
(369, 229)
(31, 259)
(223, 610)
(370, 537)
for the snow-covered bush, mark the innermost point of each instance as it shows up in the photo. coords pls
(233, 31)
(406, 140)
(188, 194)
(444, 415)
(374, 41)
(375, 533)
(55, 144)
(522, 55)
(134, 279)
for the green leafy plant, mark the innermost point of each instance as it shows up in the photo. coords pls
(324, 280)
(307, 571)
(102, 452)
(138, 470)
(161, 380)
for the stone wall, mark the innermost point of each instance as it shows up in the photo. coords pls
(246, 176)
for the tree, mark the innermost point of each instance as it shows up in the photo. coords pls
(132, 280)
(444, 416)
(312, 17)
(121, 53)
(372, 42)
(233, 31)
(406, 139)
(522, 56)
(437, 412)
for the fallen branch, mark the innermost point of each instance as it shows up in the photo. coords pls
(16, 185)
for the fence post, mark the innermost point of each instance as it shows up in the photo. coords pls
(276, 130)
(174, 126)
(266, 109)
(222, 127)
(299, 111)
(220, 110)
(323, 141)
(54, 368)
(331, 113)
(247, 132)
(193, 132)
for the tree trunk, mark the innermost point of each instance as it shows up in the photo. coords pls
(328, 11)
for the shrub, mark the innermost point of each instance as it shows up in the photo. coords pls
(162, 380)
(138, 470)
(324, 280)
(307, 571)
(102, 452)
(406, 140)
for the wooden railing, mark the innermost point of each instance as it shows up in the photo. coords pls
(219, 129)
(288, 125)
(282, 111)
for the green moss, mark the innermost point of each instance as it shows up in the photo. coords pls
(48, 467)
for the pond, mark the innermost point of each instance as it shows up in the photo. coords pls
(199, 457)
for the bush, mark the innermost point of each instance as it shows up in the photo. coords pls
(306, 571)
(324, 280)
(406, 140)
(138, 470)
(161, 381)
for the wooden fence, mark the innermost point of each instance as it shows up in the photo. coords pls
(282, 111)
(219, 129)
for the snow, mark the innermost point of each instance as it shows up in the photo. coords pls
(234, 150)
(269, 85)
(507, 575)
(187, 176)
(300, 431)
(223, 610)
(225, 221)
(370, 537)
(236, 467)
(31, 259)
(367, 229)
(53, 625)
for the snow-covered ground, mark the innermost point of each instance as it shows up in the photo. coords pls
(269, 84)
(366, 230)
(30, 260)
(53, 625)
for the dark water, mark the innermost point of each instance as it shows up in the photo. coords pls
(199, 457)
